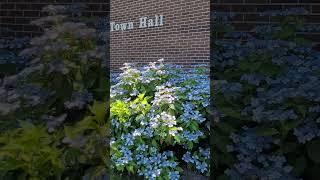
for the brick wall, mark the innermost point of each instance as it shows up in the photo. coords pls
(183, 39)
(184, 36)
(17, 14)
(247, 12)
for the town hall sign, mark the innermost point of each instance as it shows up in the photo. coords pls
(144, 22)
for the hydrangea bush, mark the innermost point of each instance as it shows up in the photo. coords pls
(267, 91)
(66, 55)
(58, 101)
(159, 116)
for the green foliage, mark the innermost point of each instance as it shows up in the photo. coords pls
(29, 152)
(87, 145)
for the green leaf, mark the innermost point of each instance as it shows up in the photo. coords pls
(194, 126)
(9, 165)
(270, 70)
(299, 166)
(154, 143)
(290, 125)
(130, 168)
(313, 148)
(177, 139)
(99, 110)
(230, 112)
(171, 106)
(288, 147)
(314, 172)
(302, 109)
(26, 125)
(226, 158)
(222, 177)
(220, 142)
(179, 169)
(120, 168)
(266, 131)
(225, 127)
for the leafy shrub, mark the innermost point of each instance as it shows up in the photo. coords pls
(155, 110)
(77, 151)
(63, 92)
(266, 89)
(31, 151)
(65, 55)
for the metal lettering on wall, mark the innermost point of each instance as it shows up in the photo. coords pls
(143, 22)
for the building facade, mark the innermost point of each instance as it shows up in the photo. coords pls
(179, 31)
(176, 30)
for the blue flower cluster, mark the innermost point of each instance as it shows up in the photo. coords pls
(251, 159)
(192, 136)
(190, 113)
(307, 131)
(125, 158)
(154, 164)
(8, 52)
(78, 100)
(199, 159)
